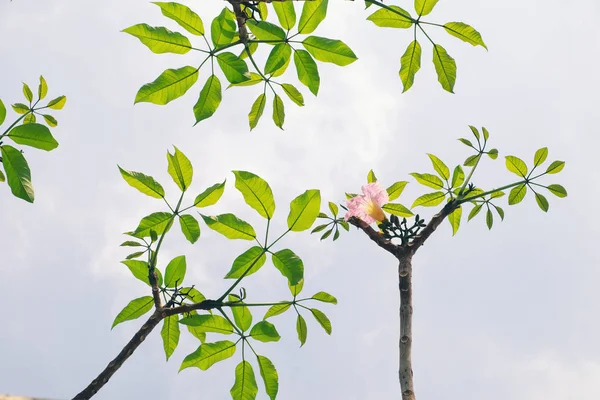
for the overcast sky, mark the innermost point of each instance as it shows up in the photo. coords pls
(506, 314)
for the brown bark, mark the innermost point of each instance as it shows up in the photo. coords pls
(405, 372)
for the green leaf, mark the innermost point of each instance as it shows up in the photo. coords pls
(20, 108)
(257, 110)
(465, 33)
(322, 319)
(267, 369)
(278, 57)
(192, 294)
(209, 100)
(234, 69)
(445, 67)
(170, 85)
(493, 154)
(170, 334)
(208, 323)
(307, 69)
(439, 167)
(144, 183)
(2, 112)
(278, 111)
(184, 16)
(257, 193)
(29, 119)
(135, 309)
(34, 135)
(197, 333)
(301, 329)
(241, 315)
(190, 227)
(253, 46)
(276, 310)
(475, 211)
(471, 160)
(282, 69)
(555, 167)
(208, 354)
(313, 13)
(254, 79)
(289, 264)
(458, 176)
(42, 89)
(540, 156)
(2, 177)
(429, 199)
(489, 219)
(396, 18)
(396, 190)
(454, 219)
(542, 202)
(497, 194)
(223, 28)
(140, 270)
(135, 255)
(475, 132)
(293, 93)
(159, 39)
(58, 103)
(175, 272)
(180, 169)
(265, 30)
(397, 209)
(265, 332)
(18, 174)
(486, 134)
(50, 120)
(517, 194)
(230, 226)
(428, 180)
(466, 142)
(131, 244)
(324, 297)
(304, 210)
(297, 288)
(244, 387)
(516, 166)
(158, 222)
(500, 211)
(556, 190)
(251, 260)
(333, 208)
(371, 177)
(424, 7)
(410, 63)
(286, 13)
(27, 92)
(329, 50)
(263, 11)
(210, 196)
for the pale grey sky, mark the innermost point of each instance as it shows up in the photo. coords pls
(506, 314)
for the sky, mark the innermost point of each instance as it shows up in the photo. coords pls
(509, 313)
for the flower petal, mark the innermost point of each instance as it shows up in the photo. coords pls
(376, 192)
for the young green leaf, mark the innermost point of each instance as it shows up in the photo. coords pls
(2, 112)
(267, 369)
(135, 309)
(489, 219)
(257, 193)
(278, 111)
(286, 13)
(371, 177)
(257, 110)
(175, 272)
(159, 39)
(184, 16)
(192, 294)
(230, 226)
(557, 190)
(500, 211)
(170, 334)
(542, 202)
(540, 156)
(454, 219)
(396, 190)
(475, 211)
(29, 119)
(158, 222)
(50, 120)
(209, 100)
(304, 210)
(397, 209)
(307, 69)
(34, 135)
(297, 288)
(139, 269)
(244, 387)
(424, 7)
(241, 315)
(27, 92)
(322, 319)
(208, 354)
(278, 57)
(289, 264)
(190, 227)
(439, 167)
(208, 323)
(516, 166)
(329, 50)
(265, 332)
(313, 13)
(210, 196)
(391, 17)
(333, 208)
(144, 183)
(324, 297)
(517, 194)
(465, 33)
(234, 69)
(410, 63)
(247, 263)
(301, 329)
(493, 153)
(135, 255)
(471, 160)
(18, 174)
(20, 108)
(429, 199)
(170, 85)
(180, 168)
(428, 180)
(458, 176)
(265, 30)
(223, 28)
(42, 89)
(58, 103)
(555, 167)
(293, 93)
(276, 310)
(445, 67)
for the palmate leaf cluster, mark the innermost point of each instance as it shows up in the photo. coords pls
(230, 314)
(288, 34)
(456, 188)
(32, 129)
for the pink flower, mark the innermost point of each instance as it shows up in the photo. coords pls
(368, 206)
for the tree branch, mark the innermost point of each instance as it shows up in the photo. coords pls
(374, 235)
(405, 372)
(437, 219)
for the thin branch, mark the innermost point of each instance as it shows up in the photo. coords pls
(374, 235)
(431, 226)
